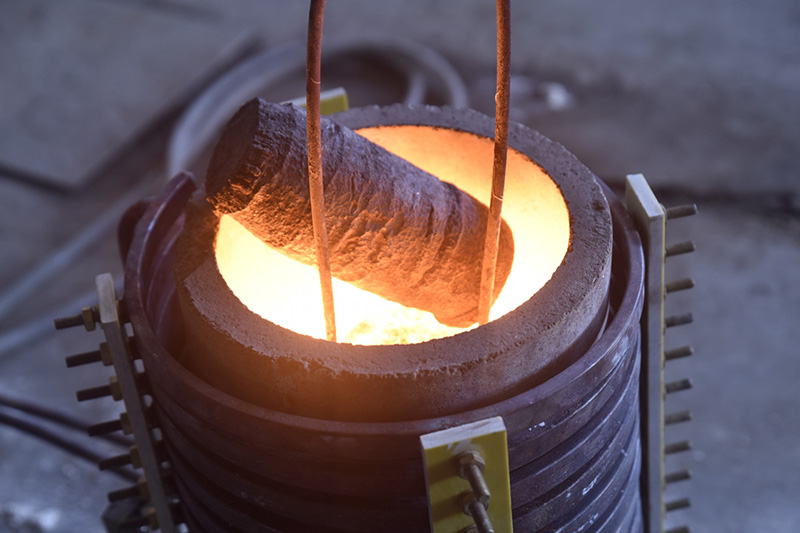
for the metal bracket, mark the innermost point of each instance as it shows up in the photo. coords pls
(651, 218)
(126, 386)
(467, 476)
(117, 340)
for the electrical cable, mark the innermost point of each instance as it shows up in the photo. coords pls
(59, 418)
(22, 288)
(200, 124)
(65, 444)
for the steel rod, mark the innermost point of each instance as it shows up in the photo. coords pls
(314, 137)
(500, 153)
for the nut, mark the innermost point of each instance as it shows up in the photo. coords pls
(467, 458)
(89, 318)
(467, 499)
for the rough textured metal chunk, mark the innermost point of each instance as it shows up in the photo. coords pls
(387, 220)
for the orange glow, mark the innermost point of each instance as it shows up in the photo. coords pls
(287, 292)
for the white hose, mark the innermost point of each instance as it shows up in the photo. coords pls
(201, 122)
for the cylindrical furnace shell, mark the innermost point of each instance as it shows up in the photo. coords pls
(393, 229)
(249, 357)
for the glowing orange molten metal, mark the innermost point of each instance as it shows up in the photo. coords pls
(287, 292)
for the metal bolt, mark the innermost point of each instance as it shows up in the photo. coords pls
(123, 494)
(679, 285)
(87, 318)
(680, 475)
(678, 417)
(475, 503)
(678, 320)
(115, 461)
(675, 386)
(104, 427)
(139, 490)
(113, 389)
(68, 321)
(677, 447)
(94, 392)
(677, 353)
(477, 510)
(679, 211)
(84, 358)
(679, 529)
(131, 458)
(678, 504)
(470, 467)
(679, 248)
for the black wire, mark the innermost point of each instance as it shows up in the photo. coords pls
(65, 444)
(59, 418)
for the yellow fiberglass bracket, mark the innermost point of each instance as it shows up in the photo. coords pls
(330, 101)
(466, 470)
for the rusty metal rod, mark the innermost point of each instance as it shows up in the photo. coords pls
(500, 152)
(314, 137)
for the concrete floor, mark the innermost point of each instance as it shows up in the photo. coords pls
(701, 97)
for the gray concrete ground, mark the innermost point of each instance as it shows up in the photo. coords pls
(699, 96)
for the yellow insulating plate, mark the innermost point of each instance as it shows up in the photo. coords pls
(330, 101)
(445, 487)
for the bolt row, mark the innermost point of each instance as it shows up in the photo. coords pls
(88, 318)
(674, 354)
(475, 502)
